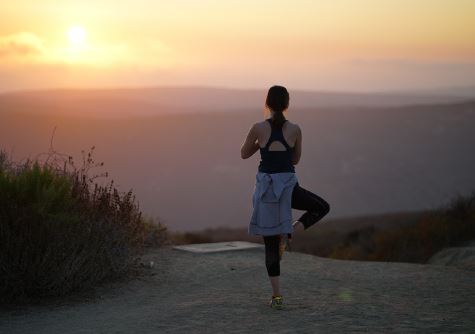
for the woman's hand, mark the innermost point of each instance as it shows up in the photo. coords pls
(250, 145)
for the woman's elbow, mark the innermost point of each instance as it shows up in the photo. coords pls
(244, 155)
(295, 160)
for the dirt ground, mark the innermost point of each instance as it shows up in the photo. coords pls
(228, 292)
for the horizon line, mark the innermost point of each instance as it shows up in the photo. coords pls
(410, 91)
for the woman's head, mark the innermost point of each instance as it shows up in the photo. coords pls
(277, 101)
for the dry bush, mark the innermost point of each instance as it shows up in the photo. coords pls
(357, 245)
(451, 226)
(60, 231)
(156, 234)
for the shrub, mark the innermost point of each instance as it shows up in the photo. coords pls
(60, 231)
(450, 226)
(156, 234)
(357, 245)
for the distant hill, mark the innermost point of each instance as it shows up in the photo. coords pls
(160, 100)
(185, 165)
(455, 91)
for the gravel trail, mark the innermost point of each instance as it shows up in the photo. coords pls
(228, 293)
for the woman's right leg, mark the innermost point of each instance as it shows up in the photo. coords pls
(315, 206)
(272, 243)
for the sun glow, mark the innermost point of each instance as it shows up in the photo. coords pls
(425, 43)
(79, 50)
(77, 36)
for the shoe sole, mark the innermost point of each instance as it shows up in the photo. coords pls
(276, 307)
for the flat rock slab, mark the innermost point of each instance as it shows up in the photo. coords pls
(463, 257)
(228, 292)
(213, 247)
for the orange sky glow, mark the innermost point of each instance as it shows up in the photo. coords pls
(357, 45)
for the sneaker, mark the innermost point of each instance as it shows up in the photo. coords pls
(276, 302)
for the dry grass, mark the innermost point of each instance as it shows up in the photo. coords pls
(62, 232)
(451, 226)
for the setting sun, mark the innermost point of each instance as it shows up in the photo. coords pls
(314, 44)
(77, 35)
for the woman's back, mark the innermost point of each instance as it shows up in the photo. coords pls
(277, 145)
(289, 130)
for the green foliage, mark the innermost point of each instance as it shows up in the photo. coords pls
(61, 232)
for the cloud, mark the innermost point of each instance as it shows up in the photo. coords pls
(24, 44)
(27, 48)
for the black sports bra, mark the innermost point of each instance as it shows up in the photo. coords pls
(276, 161)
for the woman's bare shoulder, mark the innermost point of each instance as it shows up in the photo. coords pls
(261, 125)
(256, 125)
(293, 126)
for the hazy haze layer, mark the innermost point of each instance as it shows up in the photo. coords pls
(185, 166)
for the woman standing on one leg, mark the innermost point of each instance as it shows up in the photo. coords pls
(277, 189)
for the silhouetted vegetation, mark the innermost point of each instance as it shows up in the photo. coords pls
(60, 231)
(399, 237)
(433, 231)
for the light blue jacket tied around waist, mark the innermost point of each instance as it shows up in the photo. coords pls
(272, 204)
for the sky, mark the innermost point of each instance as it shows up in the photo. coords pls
(346, 45)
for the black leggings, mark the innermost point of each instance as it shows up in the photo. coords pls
(315, 209)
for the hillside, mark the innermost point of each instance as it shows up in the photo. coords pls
(363, 160)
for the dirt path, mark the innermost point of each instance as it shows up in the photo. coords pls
(228, 293)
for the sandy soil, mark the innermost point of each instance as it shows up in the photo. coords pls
(228, 293)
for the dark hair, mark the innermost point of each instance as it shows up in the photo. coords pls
(277, 100)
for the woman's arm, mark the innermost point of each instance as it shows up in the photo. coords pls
(297, 148)
(250, 146)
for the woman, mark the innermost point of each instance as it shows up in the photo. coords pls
(277, 189)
